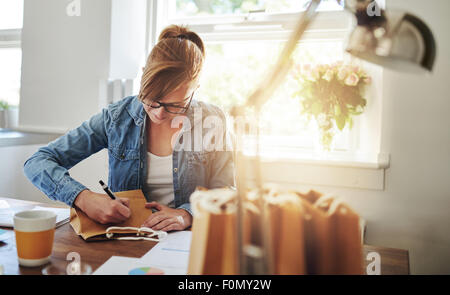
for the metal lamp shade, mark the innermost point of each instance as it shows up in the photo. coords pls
(399, 41)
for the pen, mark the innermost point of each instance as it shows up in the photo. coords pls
(107, 190)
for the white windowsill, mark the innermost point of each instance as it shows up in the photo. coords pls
(332, 171)
(380, 161)
(41, 129)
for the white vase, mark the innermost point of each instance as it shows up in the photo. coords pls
(3, 118)
(12, 117)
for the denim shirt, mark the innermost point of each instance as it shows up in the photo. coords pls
(120, 128)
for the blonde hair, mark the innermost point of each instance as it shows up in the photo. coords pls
(177, 58)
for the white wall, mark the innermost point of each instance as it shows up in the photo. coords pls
(64, 58)
(14, 184)
(128, 19)
(413, 212)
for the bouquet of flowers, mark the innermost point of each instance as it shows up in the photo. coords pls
(332, 94)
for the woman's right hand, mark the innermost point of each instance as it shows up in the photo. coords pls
(101, 208)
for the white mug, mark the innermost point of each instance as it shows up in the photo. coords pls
(35, 230)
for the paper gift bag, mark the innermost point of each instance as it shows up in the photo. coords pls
(214, 239)
(307, 233)
(252, 220)
(332, 235)
(286, 232)
(313, 234)
(91, 230)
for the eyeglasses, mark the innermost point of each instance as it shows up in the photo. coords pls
(173, 108)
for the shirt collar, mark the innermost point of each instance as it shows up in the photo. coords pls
(136, 111)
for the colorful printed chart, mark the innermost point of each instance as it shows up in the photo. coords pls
(146, 271)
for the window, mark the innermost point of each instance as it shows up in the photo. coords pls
(185, 8)
(243, 39)
(11, 19)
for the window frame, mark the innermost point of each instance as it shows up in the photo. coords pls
(11, 39)
(327, 26)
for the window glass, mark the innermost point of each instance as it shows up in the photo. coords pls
(11, 14)
(186, 8)
(233, 69)
(10, 61)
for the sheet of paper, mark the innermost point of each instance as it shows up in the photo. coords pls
(117, 265)
(62, 214)
(4, 204)
(172, 252)
(5, 234)
(7, 214)
(169, 257)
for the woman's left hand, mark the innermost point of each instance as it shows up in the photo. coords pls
(167, 219)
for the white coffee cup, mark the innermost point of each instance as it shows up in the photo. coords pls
(35, 230)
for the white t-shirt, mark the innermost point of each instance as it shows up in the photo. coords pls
(159, 183)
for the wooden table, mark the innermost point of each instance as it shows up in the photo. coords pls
(393, 261)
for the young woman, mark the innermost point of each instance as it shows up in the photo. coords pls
(141, 133)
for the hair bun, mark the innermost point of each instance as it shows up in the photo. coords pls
(181, 32)
(183, 36)
(174, 31)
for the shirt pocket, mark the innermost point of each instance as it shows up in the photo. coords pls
(123, 154)
(123, 168)
(199, 164)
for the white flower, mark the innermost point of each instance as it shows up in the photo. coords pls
(342, 73)
(328, 75)
(307, 67)
(367, 80)
(315, 74)
(322, 120)
(352, 80)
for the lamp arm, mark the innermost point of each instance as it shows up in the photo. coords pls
(281, 68)
(259, 262)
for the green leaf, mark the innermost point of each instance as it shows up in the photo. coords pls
(316, 108)
(340, 122)
(359, 109)
(337, 110)
(350, 122)
(363, 102)
(4, 105)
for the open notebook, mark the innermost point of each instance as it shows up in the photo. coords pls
(130, 229)
(7, 213)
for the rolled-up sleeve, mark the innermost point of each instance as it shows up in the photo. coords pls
(48, 168)
(187, 207)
